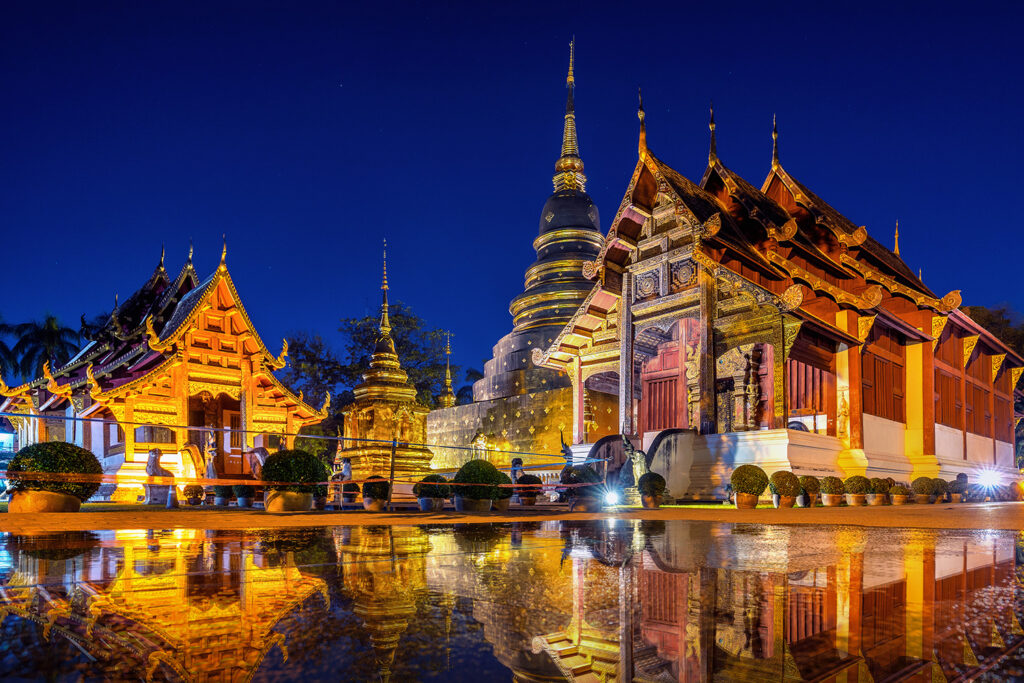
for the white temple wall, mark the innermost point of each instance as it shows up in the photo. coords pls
(1005, 454)
(885, 446)
(979, 450)
(949, 443)
(96, 436)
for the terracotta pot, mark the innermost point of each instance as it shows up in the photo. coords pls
(244, 502)
(746, 501)
(957, 497)
(501, 504)
(472, 505)
(651, 502)
(43, 501)
(831, 500)
(899, 500)
(586, 504)
(195, 501)
(374, 504)
(786, 501)
(287, 501)
(878, 498)
(855, 498)
(923, 500)
(527, 500)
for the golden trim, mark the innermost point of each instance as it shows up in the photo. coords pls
(997, 364)
(938, 327)
(1015, 374)
(153, 338)
(970, 343)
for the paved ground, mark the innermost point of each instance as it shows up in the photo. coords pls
(945, 516)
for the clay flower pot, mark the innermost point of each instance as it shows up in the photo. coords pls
(43, 501)
(651, 502)
(501, 504)
(585, 504)
(856, 499)
(957, 497)
(877, 498)
(832, 500)
(746, 501)
(374, 504)
(899, 500)
(527, 500)
(787, 501)
(287, 501)
(472, 504)
(923, 499)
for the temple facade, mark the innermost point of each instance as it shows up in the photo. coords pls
(178, 366)
(739, 325)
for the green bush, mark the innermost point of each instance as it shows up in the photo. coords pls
(194, 491)
(222, 491)
(857, 484)
(432, 486)
(810, 484)
(749, 479)
(880, 485)
(890, 481)
(939, 486)
(350, 487)
(57, 457)
(581, 474)
(506, 490)
(958, 486)
(301, 467)
(923, 486)
(651, 484)
(962, 477)
(376, 487)
(832, 486)
(482, 474)
(899, 490)
(244, 491)
(784, 483)
(528, 486)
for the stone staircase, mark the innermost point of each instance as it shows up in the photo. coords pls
(648, 667)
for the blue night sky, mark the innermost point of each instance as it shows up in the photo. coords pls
(309, 132)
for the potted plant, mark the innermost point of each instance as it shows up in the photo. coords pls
(832, 490)
(810, 487)
(857, 488)
(221, 494)
(349, 491)
(298, 471)
(651, 487)
(585, 495)
(785, 487)
(431, 491)
(474, 486)
(320, 496)
(194, 494)
(923, 488)
(57, 457)
(527, 488)
(899, 494)
(244, 493)
(502, 493)
(957, 488)
(940, 487)
(748, 483)
(880, 491)
(375, 493)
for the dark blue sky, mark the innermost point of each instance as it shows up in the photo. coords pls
(308, 132)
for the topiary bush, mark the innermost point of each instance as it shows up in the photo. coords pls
(923, 486)
(857, 484)
(958, 486)
(581, 474)
(244, 491)
(506, 490)
(222, 491)
(301, 467)
(651, 484)
(376, 487)
(939, 486)
(350, 487)
(193, 491)
(528, 486)
(784, 483)
(832, 486)
(899, 490)
(962, 477)
(880, 485)
(481, 474)
(810, 484)
(56, 457)
(749, 479)
(432, 486)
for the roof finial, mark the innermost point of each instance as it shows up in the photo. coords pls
(712, 151)
(569, 167)
(163, 253)
(920, 275)
(572, 55)
(224, 252)
(896, 240)
(385, 322)
(448, 395)
(643, 125)
(189, 260)
(775, 144)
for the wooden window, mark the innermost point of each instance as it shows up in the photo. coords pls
(1004, 420)
(979, 390)
(948, 403)
(660, 404)
(235, 425)
(883, 375)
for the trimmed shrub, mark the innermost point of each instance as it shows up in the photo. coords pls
(939, 486)
(890, 481)
(962, 477)
(749, 479)
(832, 485)
(958, 486)
(528, 486)
(222, 491)
(923, 486)
(503, 492)
(194, 491)
(651, 484)
(899, 490)
(432, 486)
(479, 472)
(56, 457)
(810, 484)
(244, 491)
(376, 487)
(880, 485)
(298, 466)
(581, 474)
(784, 483)
(350, 487)
(857, 484)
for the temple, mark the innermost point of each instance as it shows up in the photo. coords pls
(177, 364)
(739, 324)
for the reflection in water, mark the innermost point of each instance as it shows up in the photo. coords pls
(600, 601)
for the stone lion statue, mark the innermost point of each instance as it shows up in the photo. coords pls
(156, 494)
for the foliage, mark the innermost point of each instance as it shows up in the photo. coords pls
(958, 485)
(194, 491)
(432, 486)
(504, 490)
(298, 466)
(222, 491)
(8, 361)
(651, 484)
(962, 477)
(581, 474)
(1001, 321)
(476, 472)
(310, 438)
(924, 486)
(832, 486)
(784, 483)
(939, 486)
(376, 487)
(350, 487)
(43, 340)
(528, 486)
(857, 484)
(899, 490)
(244, 491)
(465, 393)
(810, 484)
(749, 479)
(880, 485)
(55, 457)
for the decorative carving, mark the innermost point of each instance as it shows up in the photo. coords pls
(647, 284)
(787, 231)
(326, 405)
(282, 357)
(11, 392)
(712, 226)
(938, 326)
(792, 298)
(153, 338)
(872, 296)
(790, 330)
(997, 364)
(1015, 377)
(684, 274)
(864, 325)
(63, 390)
(234, 392)
(969, 344)
(951, 300)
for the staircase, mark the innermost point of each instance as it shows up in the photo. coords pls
(602, 666)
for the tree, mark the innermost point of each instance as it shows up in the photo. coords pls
(1000, 322)
(41, 341)
(465, 393)
(8, 360)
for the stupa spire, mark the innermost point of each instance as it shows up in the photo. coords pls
(448, 395)
(896, 239)
(775, 144)
(642, 144)
(385, 321)
(569, 167)
(712, 150)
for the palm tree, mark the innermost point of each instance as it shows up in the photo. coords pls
(41, 341)
(8, 361)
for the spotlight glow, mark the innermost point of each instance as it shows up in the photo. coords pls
(988, 478)
(611, 498)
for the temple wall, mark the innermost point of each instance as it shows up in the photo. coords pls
(885, 446)
(1005, 454)
(979, 449)
(949, 443)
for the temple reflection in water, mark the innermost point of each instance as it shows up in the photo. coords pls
(597, 601)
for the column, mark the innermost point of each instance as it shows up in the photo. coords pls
(706, 419)
(626, 422)
(576, 377)
(920, 403)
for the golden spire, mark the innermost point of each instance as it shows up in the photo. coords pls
(385, 322)
(712, 151)
(775, 144)
(896, 239)
(224, 254)
(920, 274)
(569, 167)
(448, 395)
(643, 125)
(163, 253)
(189, 260)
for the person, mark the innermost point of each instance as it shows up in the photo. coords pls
(517, 469)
